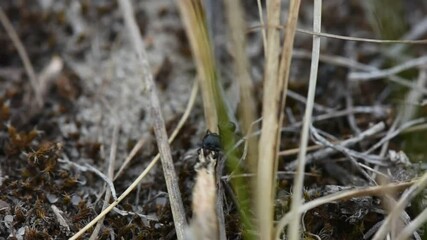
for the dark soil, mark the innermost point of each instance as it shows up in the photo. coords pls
(98, 88)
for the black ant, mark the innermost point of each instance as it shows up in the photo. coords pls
(211, 141)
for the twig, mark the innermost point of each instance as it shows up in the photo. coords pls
(349, 63)
(302, 99)
(294, 151)
(23, 55)
(349, 153)
(408, 111)
(389, 197)
(324, 153)
(375, 171)
(395, 133)
(146, 170)
(175, 200)
(343, 195)
(415, 32)
(126, 213)
(297, 198)
(110, 174)
(246, 140)
(372, 230)
(387, 72)
(87, 167)
(376, 110)
(119, 199)
(135, 149)
(59, 217)
(406, 197)
(350, 117)
(131, 155)
(413, 226)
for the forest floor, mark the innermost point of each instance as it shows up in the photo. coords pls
(73, 115)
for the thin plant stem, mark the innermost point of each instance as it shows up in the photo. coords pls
(23, 55)
(261, 20)
(413, 226)
(343, 195)
(268, 141)
(169, 173)
(419, 185)
(110, 175)
(297, 200)
(146, 170)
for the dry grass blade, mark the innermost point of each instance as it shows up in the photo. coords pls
(192, 15)
(384, 41)
(294, 151)
(247, 113)
(268, 141)
(350, 63)
(23, 55)
(132, 154)
(110, 174)
(217, 116)
(413, 226)
(326, 152)
(294, 227)
(174, 194)
(87, 167)
(418, 186)
(235, 17)
(261, 20)
(58, 214)
(408, 111)
(344, 195)
(146, 170)
(387, 72)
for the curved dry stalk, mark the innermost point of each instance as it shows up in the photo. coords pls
(169, 173)
(146, 170)
(418, 186)
(413, 226)
(87, 167)
(132, 154)
(110, 175)
(347, 194)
